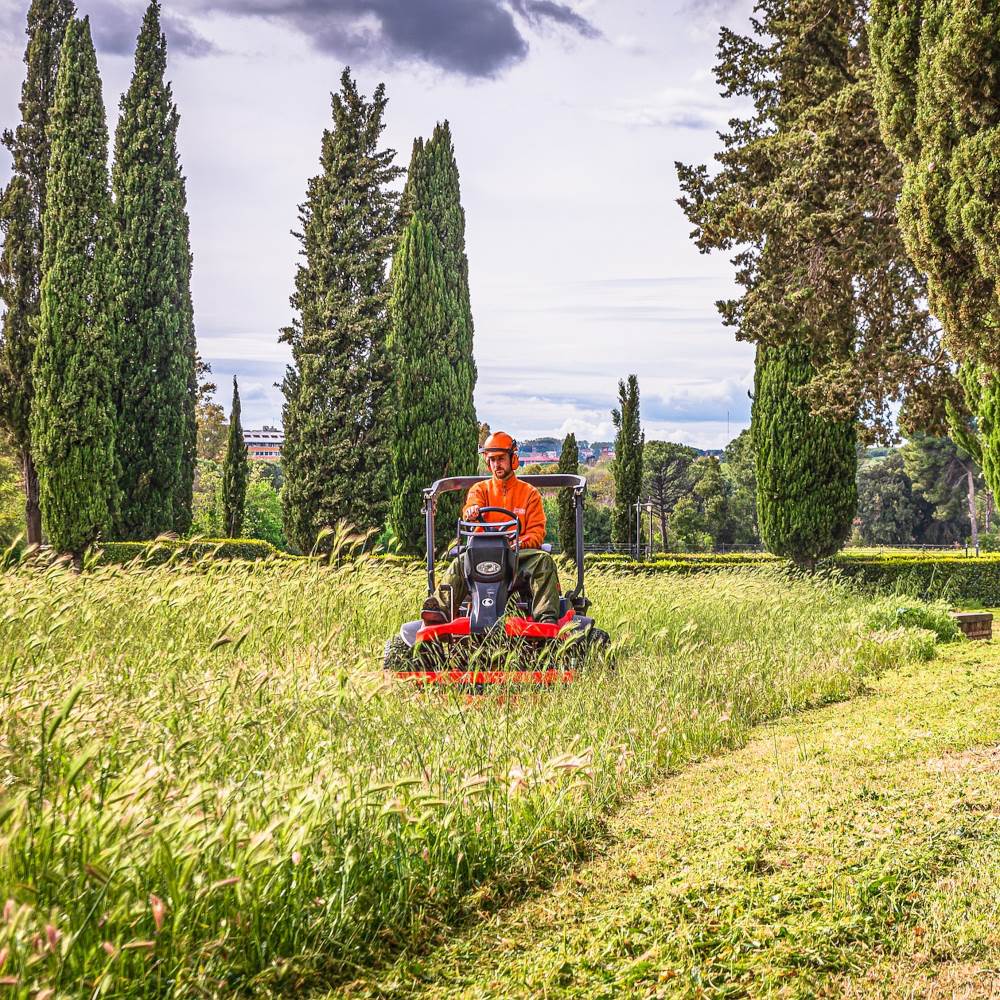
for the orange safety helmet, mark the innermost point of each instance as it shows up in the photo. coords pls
(499, 441)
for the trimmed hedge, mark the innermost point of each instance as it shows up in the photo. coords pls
(944, 574)
(168, 550)
(952, 577)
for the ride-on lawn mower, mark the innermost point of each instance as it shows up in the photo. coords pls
(491, 637)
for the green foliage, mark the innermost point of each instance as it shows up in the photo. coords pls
(207, 519)
(936, 93)
(261, 507)
(175, 552)
(627, 465)
(689, 527)
(888, 511)
(806, 175)
(11, 498)
(949, 577)
(939, 473)
(738, 466)
(433, 192)
(262, 510)
(235, 472)
(72, 416)
(935, 617)
(569, 464)
(596, 521)
(806, 465)
(666, 478)
(429, 402)
(337, 390)
(156, 383)
(195, 725)
(22, 206)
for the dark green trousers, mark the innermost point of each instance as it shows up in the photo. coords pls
(537, 566)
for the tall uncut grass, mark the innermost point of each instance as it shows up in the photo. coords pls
(207, 786)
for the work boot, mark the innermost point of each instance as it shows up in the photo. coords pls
(432, 613)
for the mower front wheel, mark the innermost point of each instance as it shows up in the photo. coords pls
(398, 654)
(598, 643)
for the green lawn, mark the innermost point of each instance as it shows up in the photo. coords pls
(851, 851)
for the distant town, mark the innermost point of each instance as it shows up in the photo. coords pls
(264, 445)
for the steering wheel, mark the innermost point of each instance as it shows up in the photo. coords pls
(499, 526)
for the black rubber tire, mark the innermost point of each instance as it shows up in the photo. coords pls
(599, 639)
(598, 644)
(398, 654)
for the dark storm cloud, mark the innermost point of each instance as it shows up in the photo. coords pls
(536, 11)
(476, 38)
(115, 27)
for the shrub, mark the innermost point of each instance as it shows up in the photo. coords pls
(934, 617)
(165, 550)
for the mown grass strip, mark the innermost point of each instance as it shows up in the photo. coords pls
(850, 852)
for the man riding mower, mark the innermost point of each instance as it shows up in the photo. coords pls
(502, 589)
(494, 500)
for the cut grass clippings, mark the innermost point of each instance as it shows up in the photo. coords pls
(850, 852)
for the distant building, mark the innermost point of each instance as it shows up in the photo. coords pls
(264, 445)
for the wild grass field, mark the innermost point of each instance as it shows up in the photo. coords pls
(207, 785)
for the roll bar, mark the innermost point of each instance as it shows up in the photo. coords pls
(554, 480)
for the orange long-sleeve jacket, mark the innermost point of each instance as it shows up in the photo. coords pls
(520, 498)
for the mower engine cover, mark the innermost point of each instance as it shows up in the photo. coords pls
(489, 570)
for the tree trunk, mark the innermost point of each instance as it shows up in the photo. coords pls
(970, 479)
(663, 526)
(32, 510)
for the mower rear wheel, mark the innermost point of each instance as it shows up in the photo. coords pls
(398, 654)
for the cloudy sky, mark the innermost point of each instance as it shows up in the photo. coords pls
(567, 119)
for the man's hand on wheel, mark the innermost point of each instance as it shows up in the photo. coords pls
(471, 513)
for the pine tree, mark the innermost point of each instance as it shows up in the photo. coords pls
(73, 414)
(156, 383)
(627, 465)
(235, 472)
(432, 190)
(806, 465)
(569, 464)
(337, 390)
(428, 396)
(22, 206)
(807, 175)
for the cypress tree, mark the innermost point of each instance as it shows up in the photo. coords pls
(627, 465)
(73, 414)
(157, 385)
(428, 396)
(337, 390)
(22, 206)
(235, 472)
(806, 465)
(433, 190)
(569, 464)
(938, 98)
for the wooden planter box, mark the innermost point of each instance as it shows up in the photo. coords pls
(975, 624)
